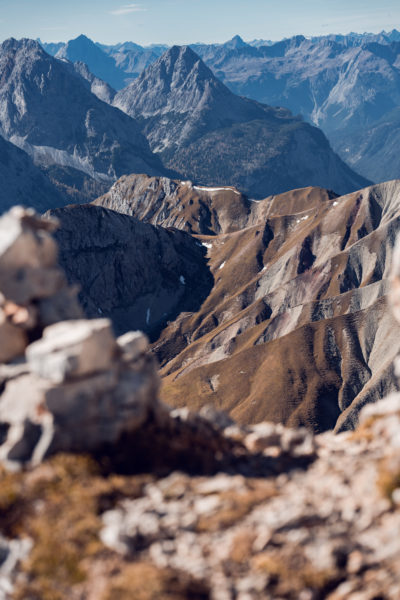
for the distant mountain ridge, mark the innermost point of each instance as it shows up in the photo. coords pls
(47, 108)
(212, 136)
(344, 84)
(82, 49)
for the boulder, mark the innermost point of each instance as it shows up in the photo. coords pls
(72, 349)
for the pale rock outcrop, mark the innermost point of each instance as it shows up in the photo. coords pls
(67, 372)
(11, 553)
(71, 349)
(34, 291)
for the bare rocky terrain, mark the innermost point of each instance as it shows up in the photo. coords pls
(141, 501)
(23, 182)
(139, 275)
(303, 270)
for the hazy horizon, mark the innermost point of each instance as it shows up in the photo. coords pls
(181, 22)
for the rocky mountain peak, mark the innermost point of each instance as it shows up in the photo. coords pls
(188, 114)
(100, 64)
(180, 82)
(50, 112)
(82, 42)
(13, 45)
(235, 42)
(176, 65)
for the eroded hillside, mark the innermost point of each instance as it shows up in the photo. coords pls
(295, 328)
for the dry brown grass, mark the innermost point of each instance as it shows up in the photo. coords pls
(293, 573)
(143, 581)
(58, 506)
(389, 477)
(242, 546)
(364, 433)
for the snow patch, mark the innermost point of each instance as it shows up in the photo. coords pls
(335, 203)
(206, 244)
(302, 219)
(215, 189)
(221, 266)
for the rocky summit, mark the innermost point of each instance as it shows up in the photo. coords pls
(208, 134)
(106, 493)
(303, 270)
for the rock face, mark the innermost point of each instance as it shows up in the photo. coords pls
(48, 110)
(24, 183)
(345, 85)
(296, 326)
(138, 275)
(210, 135)
(98, 87)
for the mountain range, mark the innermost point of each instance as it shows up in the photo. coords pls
(210, 135)
(182, 120)
(198, 458)
(291, 323)
(47, 108)
(348, 85)
(345, 89)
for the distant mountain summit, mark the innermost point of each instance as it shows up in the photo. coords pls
(82, 49)
(235, 42)
(48, 109)
(210, 135)
(177, 84)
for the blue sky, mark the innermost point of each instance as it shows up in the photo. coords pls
(184, 21)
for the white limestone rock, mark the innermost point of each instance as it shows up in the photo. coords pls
(72, 349)
(133, 344)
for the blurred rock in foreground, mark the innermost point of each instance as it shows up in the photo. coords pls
(106, 494)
